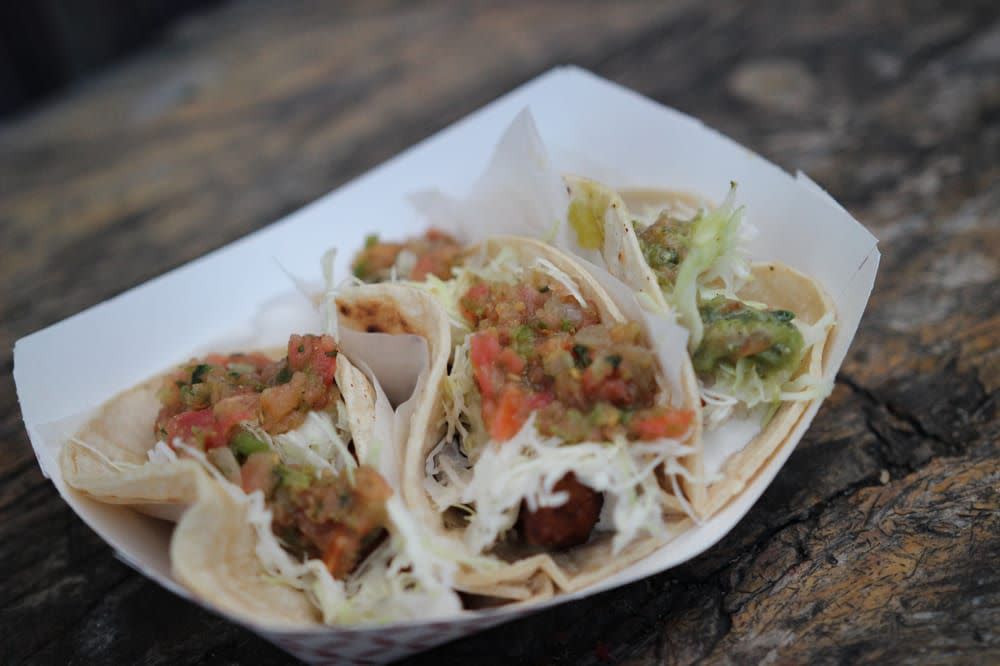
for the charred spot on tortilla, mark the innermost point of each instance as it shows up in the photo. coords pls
(375, 316)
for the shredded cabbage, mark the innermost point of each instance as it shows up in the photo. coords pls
(505, 267)
(462, 404)
(550, 269)
(405, 578)
(319, 442)
(717, 407)
(714, 254)
(446, 293)
(527, 467)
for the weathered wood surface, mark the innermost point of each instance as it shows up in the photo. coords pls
(879, 540)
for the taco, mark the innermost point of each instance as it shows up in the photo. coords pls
(280, 474)
(546, 437)
(758, 330)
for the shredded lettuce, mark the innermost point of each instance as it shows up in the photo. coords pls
(447, 469)
(506, 266)
(717, 407)
(446, 293)
(528, 466)
(463, 406)
(714, 255)
(550, 269)
(405, 578)
(319, 442)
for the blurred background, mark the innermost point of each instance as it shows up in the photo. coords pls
(46, 45)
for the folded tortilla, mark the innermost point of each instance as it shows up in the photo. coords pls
(514, 572)
(213, 549)
(773, 284)
(783, 288)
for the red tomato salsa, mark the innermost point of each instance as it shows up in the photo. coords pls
(215, 404)
(536, 349)
(204, 401)
(324, 516)
(434, 253)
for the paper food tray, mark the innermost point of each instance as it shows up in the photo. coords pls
(591, 127)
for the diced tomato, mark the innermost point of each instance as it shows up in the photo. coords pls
(668, 424)
(324, 360)
(230, 412)
(472, 302)
(425, 265)
(194, 427)
(257, 473)
(484, 350)
(298, 352)
(539, 400)
(512, 411)
(277, 402)
(510, 361)
(616, 391)
(313, 353)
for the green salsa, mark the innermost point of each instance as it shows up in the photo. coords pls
(664, 245)
(734, 331)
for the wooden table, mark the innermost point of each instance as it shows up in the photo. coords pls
(879, 540)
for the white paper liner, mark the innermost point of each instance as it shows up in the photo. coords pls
(590, 127)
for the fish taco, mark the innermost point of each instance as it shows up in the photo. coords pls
(281, 476)
(758, 330)
(546, 436)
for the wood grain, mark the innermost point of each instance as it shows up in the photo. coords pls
(877, 541)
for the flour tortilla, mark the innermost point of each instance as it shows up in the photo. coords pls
(109, 458)
(212, 546)
(524, 574)
(623, 258)
(781, 288)
(774, 284)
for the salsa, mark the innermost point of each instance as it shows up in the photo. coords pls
(434, 253)
(537, 349)
(218, 403)
(664, 245)
(204, 401)
(326, 516)
(734, 331)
